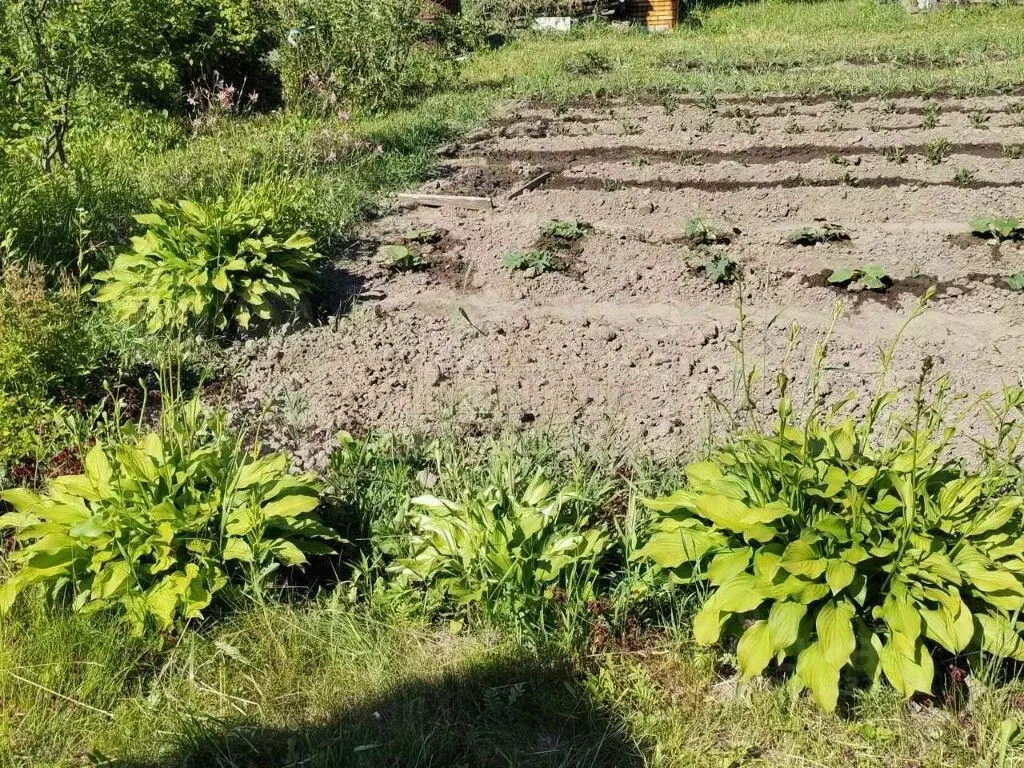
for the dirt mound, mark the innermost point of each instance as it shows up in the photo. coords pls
(628, 342)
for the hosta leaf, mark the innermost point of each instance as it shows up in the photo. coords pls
(238, 549)
(900, 616)
(291, 506)
(951, 625)
(754, 650)
(839, 575)
(999, 637)
(707, 624)
(678, 500)
(834, 624)
(801, 559)
(98, 469)
(288, 553)
(738, 595)
(907, 665)
(670, 549)
(819, 676)
(784, 624)
(727, 564)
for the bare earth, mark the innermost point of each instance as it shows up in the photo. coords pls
(625, 344)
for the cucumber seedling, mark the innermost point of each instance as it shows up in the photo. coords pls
(701, 232)
(716, 265)
(826, 233)
(997, 228)
(869, 278)
(399, 258)
(1015, 282)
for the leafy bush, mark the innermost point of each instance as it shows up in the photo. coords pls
(511, 558)
(157, 526)
(354, 55)
(817, 547)
(214, 267)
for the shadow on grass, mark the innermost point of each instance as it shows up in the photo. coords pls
(490, 714)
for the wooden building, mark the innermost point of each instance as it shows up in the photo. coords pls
(655, 14)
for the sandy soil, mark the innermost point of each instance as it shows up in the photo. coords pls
(627, 342)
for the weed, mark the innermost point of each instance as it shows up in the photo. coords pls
(931, 116)
(895, 155)
(889, 107)
(872, 278)
(964, 177)
(539, 260)
(400, 258)
(825, 233)
(708, 101)
(588, 64)
(1012, 151)
(631, 128)
(842, 105)
(837, 159)
(707, 125)
(980, 120)
(937, 150)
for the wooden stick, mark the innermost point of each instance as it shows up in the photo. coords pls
(529, 186)
(453, 201)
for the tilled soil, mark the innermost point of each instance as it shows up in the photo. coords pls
(628, 344)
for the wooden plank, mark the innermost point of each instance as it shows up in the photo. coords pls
(448, 201)
(530, 185)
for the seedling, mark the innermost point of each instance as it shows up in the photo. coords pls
(931, 116)
(1013, 151)
(826, 233)
(688, 159)
(896, 155)
(837, 159)
(874, 125)
(997, 228)
(670, 104)
(833, 125)
(1015, 107)
(843, 105)
(539, 260)
(848, 180)
(708, 101)
(889, 107)
(611, 185)
(631, 128)
(564, 229)
(980, 120)
(870, 278)
(422, 236)
(937, 150)
(398, 258)
(700, 232)
(1015, 282)
(717, 266)
(640, 161)
(964, 177)
(793, 127)
(707, 125)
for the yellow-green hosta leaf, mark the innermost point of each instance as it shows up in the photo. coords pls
(754, 650)
(738, 595)
(728, 563)
(679, 500)
(839, 575)
(834, 624)
(287, 553)
(907, 665)
(707, 624)
(292, 505)
(951, 625)
(784, 624)
(900, 615)
(670, 549)
(819, 676)
(98, 469)
(800, 559)
(863, 475)
(238, 549)
(999, 637)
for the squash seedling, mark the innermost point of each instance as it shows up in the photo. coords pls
(826, 233)
(997, 228)
(1015, 282)
(564, 230)
(870, 278)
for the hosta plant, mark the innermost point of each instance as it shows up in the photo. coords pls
(833, 557)
(214, 267)
(156, 527)
(502, 554)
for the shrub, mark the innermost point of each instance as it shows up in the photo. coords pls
(157, 526)
(511, 558)
(817, 547)
(214, 267)
(349, 54)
